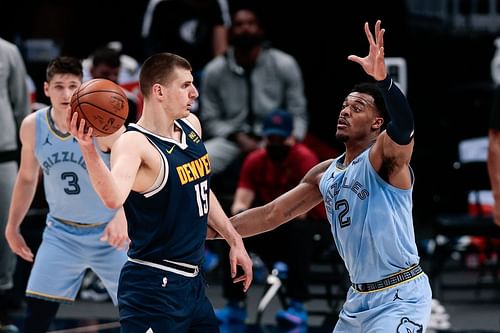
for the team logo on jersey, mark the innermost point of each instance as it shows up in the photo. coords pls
(194, 137)
(164, 282)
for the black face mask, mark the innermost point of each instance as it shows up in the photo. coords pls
(277, 152)
(246, 41)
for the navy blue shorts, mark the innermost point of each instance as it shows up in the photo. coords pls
(156, 301)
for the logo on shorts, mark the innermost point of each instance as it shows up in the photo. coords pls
(396, 297)
(408, 326)
(164, 283)
(150, 330)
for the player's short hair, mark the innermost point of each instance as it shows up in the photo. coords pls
(373, 90)
(158, 68)
(64, 65)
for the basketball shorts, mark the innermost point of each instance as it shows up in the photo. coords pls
(64, 255)
(404, 307)
(153, 300)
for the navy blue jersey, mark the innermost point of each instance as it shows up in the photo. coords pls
(169, 221)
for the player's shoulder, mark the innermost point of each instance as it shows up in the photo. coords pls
(194, 122)
(30, 120)
(28, 129)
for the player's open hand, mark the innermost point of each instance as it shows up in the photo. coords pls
(373, 63)
(238, 256)
(17, 243)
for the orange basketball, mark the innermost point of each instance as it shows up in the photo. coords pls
(103, 105)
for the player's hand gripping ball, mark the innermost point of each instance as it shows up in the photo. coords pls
(103, 104)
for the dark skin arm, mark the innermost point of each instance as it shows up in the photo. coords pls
(296, 202)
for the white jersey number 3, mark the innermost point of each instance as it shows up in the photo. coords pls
(202, 197)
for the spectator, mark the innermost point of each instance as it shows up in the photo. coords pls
(105, 63)
(240, 87)
(14, 106)
(194, 29)
(267, 173)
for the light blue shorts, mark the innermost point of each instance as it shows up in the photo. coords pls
(402, 308)
(64, 255)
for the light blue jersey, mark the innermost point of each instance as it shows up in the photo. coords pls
(68, 189)
(371, 220)
(75, 224)
(372, 225)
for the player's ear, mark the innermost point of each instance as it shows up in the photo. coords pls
(378, 122)
(158, 89)
(46, 88)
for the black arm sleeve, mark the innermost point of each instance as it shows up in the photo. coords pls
(400, 127)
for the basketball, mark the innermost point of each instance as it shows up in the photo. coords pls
(103, 104)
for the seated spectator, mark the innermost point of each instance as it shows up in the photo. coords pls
(106, 63)
(267, 173)
(240, 87)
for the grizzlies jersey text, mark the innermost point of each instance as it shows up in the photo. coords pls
(170, 221)
(68, 189)
(371, 220)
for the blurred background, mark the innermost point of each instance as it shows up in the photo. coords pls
(441, 53)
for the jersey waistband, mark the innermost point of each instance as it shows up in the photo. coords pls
(78, 224)
(170, 266)
(403, 276)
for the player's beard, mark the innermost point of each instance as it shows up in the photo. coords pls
(341, 137)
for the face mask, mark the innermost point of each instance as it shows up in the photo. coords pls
(277, 152)
(246, 41)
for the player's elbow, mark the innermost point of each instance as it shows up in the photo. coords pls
(112, 203)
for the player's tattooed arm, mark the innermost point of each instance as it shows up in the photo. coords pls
(286, 207)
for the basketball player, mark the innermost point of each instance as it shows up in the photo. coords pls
(161, 174)
(80, 233)
(367, 193)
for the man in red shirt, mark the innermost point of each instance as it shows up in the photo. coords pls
(267, 173)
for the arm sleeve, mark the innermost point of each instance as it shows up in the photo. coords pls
(400, 127)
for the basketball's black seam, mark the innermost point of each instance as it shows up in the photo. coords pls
(79, 104)
(97, 107)
(79, 94)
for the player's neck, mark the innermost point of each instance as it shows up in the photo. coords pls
(58, 120)
(160, 125)
(353, 150)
